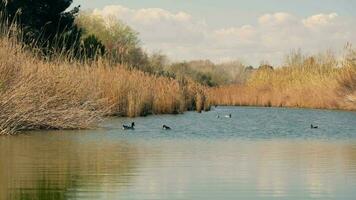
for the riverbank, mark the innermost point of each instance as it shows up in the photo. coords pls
(37, 94)
(58, 94)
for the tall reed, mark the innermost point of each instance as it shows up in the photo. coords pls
(319, 81)
(62, 94)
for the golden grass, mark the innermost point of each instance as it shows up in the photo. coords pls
(61, 94)
(312, 82)
(37, 94)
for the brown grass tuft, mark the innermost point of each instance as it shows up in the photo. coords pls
(37, 94)
(309, 82)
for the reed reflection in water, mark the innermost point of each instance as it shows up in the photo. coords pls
(63, 166)
(95, 166)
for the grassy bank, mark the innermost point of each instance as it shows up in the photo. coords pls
(310, 82)
(55, 91)
(58, 94)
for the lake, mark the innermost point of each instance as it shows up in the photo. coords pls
(259, 153)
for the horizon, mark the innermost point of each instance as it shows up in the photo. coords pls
(251, 32)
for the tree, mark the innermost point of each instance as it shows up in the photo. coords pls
(45, 23)
(121, 42)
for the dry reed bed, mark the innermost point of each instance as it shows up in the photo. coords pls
(37, 94)
(313, 82)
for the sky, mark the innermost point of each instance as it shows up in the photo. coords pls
(250, 31)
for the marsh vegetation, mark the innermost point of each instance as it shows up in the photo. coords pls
(319, 81)
(71, 69)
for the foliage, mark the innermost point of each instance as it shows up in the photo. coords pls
(207, 73)
(120, 41)
(184, 70)
(47, 25)
(92, 47)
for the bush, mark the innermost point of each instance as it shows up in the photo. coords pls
(91, 47)
(120, 41)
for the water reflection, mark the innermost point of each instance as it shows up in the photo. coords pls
(63, 166)
(259, 153)
(269, 169)
(70, 166)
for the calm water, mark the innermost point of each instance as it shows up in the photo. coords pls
(257, 154)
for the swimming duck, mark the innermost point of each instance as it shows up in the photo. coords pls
(126, 127)
(228, 116)
(166, 127)
(313, 127)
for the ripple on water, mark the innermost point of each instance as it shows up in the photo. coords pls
(259, 153)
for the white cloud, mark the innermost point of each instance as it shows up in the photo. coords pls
(275, 19)
(245, 32)
(157, 15)
(158, 26)
(115, 11)
(320, 20)
(182, 36)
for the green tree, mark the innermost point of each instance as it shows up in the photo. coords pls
(45, 23)
(121, 42)
(49, 25)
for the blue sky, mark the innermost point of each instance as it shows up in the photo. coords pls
(239, 20)
(233, 12)
(304, 7)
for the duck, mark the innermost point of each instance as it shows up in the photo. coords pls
(313, 127)
(165, 127)
(127, 127)
(228, 116)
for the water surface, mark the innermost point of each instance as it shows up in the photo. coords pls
(260, 153)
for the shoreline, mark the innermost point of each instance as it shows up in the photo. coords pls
(290, 107)
(163, 114)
